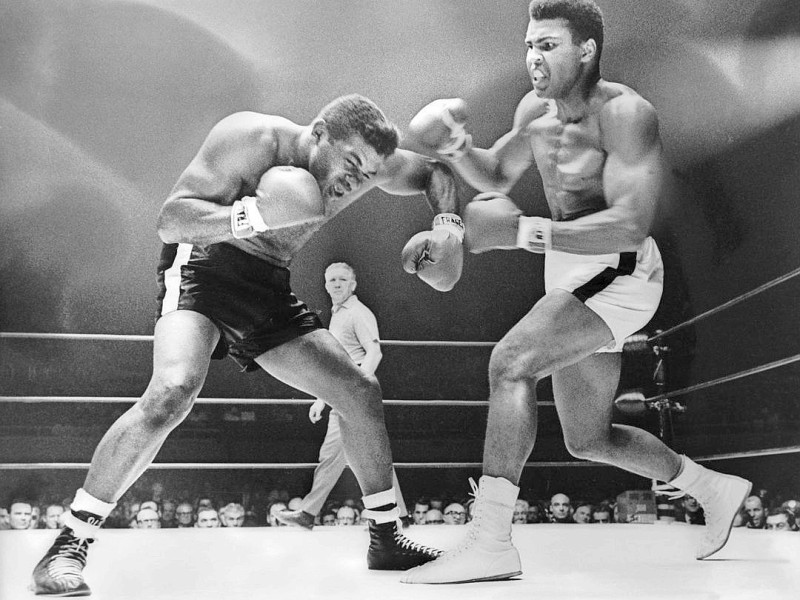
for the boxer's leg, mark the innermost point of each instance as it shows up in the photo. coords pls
(182, 348)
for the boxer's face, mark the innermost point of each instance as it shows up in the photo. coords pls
(343, 167)
(553, 60)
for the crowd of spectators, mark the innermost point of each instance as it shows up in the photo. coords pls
(152, 508)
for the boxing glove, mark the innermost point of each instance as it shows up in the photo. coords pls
(285, 196)
(438, 130)
(436, 256)
(493, 222)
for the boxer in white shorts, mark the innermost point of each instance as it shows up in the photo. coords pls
(597, 148)
(624, 289)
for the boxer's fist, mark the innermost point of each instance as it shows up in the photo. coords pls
(438, 129)
(285, 196)
(288, 195)
(436, 257)
(491, 221)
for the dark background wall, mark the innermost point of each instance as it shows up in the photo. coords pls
(102, 104)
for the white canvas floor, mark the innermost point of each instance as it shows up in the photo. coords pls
(560, 562)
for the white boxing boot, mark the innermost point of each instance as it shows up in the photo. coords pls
(720, 495)
(486, 554)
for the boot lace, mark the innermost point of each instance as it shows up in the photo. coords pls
(70, 559)
(665, 489)
(410, 546)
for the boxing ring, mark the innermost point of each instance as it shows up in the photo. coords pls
(647, 562)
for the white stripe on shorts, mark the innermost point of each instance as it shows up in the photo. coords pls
(172, 279)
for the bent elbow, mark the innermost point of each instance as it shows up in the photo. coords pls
(634, 237)
(166, 228)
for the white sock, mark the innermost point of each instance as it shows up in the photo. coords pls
(85, 502)
(380, 500)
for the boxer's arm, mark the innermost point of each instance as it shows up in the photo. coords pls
(632, 181)
(499, 168)
(406, 173)
(366, 330)
(373, 356)
(198, 209)
(435, 256)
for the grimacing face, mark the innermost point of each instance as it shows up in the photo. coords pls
(553, 60)
(343, 167)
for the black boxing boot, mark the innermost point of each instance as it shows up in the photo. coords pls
(60, 572)
(390, 550)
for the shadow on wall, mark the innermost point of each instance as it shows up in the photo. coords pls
(102, 106)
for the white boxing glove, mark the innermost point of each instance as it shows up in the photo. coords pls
(439, 129)
(437, 256)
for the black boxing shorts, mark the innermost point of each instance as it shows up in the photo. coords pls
(247, 298)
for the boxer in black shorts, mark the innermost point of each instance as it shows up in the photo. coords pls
(248, 299)
(257, 190)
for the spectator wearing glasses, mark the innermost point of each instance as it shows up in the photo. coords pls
(184, 515)
(455, 514)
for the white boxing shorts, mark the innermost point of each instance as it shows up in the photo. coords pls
(624, 289)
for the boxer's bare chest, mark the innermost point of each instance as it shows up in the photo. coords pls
(570, 159)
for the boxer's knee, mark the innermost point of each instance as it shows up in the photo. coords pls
(361, 395)
(507, 365)
(587, 447)
(169, 397)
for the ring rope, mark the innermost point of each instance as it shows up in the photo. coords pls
(291, 401)
(114, 337)
(149, 338)
(724, 379)
(399, 465)
(728, 304)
